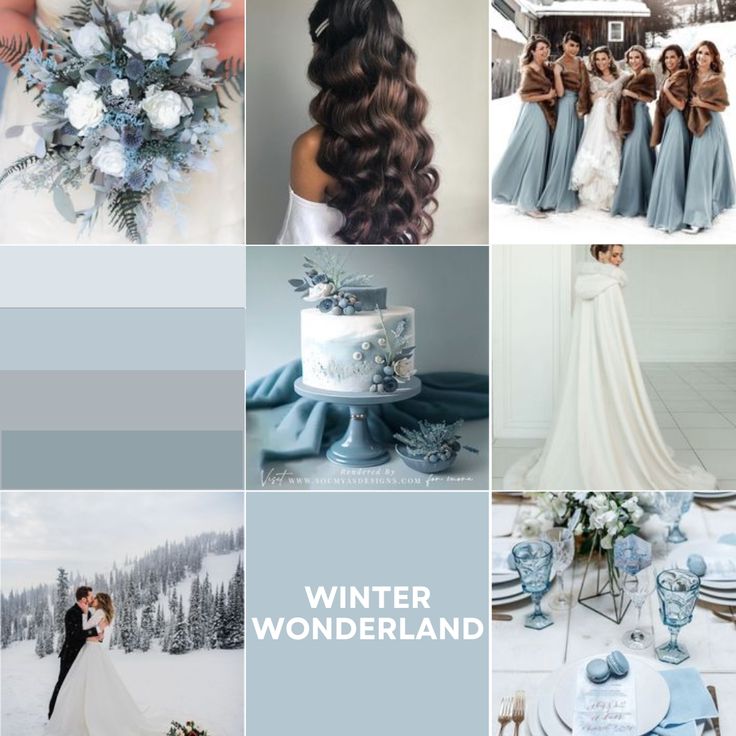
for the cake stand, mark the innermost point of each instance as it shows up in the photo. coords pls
(356, 447)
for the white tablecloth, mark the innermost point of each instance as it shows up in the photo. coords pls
(522, 658)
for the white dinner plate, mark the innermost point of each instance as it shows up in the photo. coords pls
(495, 602)
(713, 599)
(506, 584)
(652, 693)
(497, 578)
(714, 495)
(499, 595)
(678, 558)
(714, 586)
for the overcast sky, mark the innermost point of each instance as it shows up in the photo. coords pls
(87, 532)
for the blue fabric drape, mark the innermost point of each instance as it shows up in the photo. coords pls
(309, 425)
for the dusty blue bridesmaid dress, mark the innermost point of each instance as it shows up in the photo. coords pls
(557, 194)
(710, 182)
(667, 199)
(519, 177)
(637, 167)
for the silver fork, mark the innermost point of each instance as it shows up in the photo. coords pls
(504, 715)
(517, 716)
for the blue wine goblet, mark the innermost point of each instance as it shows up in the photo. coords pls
(678, 592)
(671, 505)
(534, 565)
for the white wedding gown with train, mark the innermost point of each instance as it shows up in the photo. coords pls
(604, 435)
(210, 210)
(93, 700)
(595, 171)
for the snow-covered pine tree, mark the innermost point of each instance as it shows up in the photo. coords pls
(235, 614)
(40, 648)
(49, 635)
(196, 627)
(5, 629)
(159, 627)
(129, 626)
(208, 610)
(221, 623)
(61, 603)
(144, 642)
(180, 641)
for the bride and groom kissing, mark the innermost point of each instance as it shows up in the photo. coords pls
(89, 698)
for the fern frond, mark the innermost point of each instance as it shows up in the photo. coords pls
(81, 13)
(123, 210)
(18, 166)
(13, 49)
(233, 78)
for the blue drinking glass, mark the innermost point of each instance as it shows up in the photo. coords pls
(678, 592)
(671, 505)
(534, 565)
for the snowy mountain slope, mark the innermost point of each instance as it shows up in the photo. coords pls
(585, 225)
(220, 569)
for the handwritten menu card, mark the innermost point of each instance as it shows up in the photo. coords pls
(606, 709)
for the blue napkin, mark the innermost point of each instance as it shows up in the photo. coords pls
(727, 539)
(689, 701)
(309, 425)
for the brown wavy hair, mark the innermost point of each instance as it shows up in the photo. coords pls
(612, 66)
(716, 65)
(527, 55)
(374, 143)
(105, 603)
(642, 52)
(681, 64)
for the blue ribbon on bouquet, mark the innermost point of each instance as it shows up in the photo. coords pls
(310, 425)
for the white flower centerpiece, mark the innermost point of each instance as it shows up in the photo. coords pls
(129, 101)
(597, 520)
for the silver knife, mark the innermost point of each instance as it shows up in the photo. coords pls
(715, 721)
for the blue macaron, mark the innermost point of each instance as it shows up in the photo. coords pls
(597, 670)
(618, 664)
(696, 565)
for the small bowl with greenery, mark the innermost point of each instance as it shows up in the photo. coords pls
(432, 448)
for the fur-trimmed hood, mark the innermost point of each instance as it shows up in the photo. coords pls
(593, 278)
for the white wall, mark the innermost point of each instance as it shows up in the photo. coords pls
(532, 310)
(452, 45)
(681, 301)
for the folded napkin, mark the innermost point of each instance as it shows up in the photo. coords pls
(727, 539)
(309, 426)
(689, 701)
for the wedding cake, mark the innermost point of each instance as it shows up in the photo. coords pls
(351, 340)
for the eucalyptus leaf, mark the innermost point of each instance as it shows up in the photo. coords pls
(111, 133)
(68, 140)
(14, 131)
(303, 287)
(40, 148)
(179, 67)
(297, 282)
(64, 204)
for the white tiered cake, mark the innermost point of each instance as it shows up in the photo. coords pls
(366, 350)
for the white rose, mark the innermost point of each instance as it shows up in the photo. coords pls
(319, 291)
(403, 368)
(149, 36)
(199, 55)
(83, 107)
(89, 39)
(124, 17)
(120, 87)
(110, 159)
(530, 528)
(164, 109)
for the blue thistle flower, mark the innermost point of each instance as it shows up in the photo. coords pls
(136, 179)
(135, 68)
(132, 137)
(104, 75)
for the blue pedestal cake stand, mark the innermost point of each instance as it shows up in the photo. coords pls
(356, 447)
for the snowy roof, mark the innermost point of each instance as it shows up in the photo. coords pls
(540, 9)
(504, 27)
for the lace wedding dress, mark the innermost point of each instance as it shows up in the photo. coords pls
(596, 169)
(93, 700)
(604, 435)
(210, 210)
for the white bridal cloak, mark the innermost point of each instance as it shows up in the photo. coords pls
(93, 700)
(604, 435)
(210, 210)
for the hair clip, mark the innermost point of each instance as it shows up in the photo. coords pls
(319, 30)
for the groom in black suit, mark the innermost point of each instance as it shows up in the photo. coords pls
(74, 636)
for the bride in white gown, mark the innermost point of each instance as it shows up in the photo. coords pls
(604, 435)
(596, 169)
(211, 210)
(93, 700)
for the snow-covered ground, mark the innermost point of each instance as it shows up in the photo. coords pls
(205, 685)
(586, 225)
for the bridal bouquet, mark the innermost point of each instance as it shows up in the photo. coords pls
(129, 101)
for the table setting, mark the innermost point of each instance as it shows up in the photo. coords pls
(614, 614)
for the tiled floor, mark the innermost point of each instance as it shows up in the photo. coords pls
(695, 405)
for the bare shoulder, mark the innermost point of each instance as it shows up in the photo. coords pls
(307, 179)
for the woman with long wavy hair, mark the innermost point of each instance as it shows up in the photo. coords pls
(710, 180)
(363, 173)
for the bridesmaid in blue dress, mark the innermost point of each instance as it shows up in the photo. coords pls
(637, 160)
(519, 177)
(710, 182)
(573, 88)
(667, 200)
